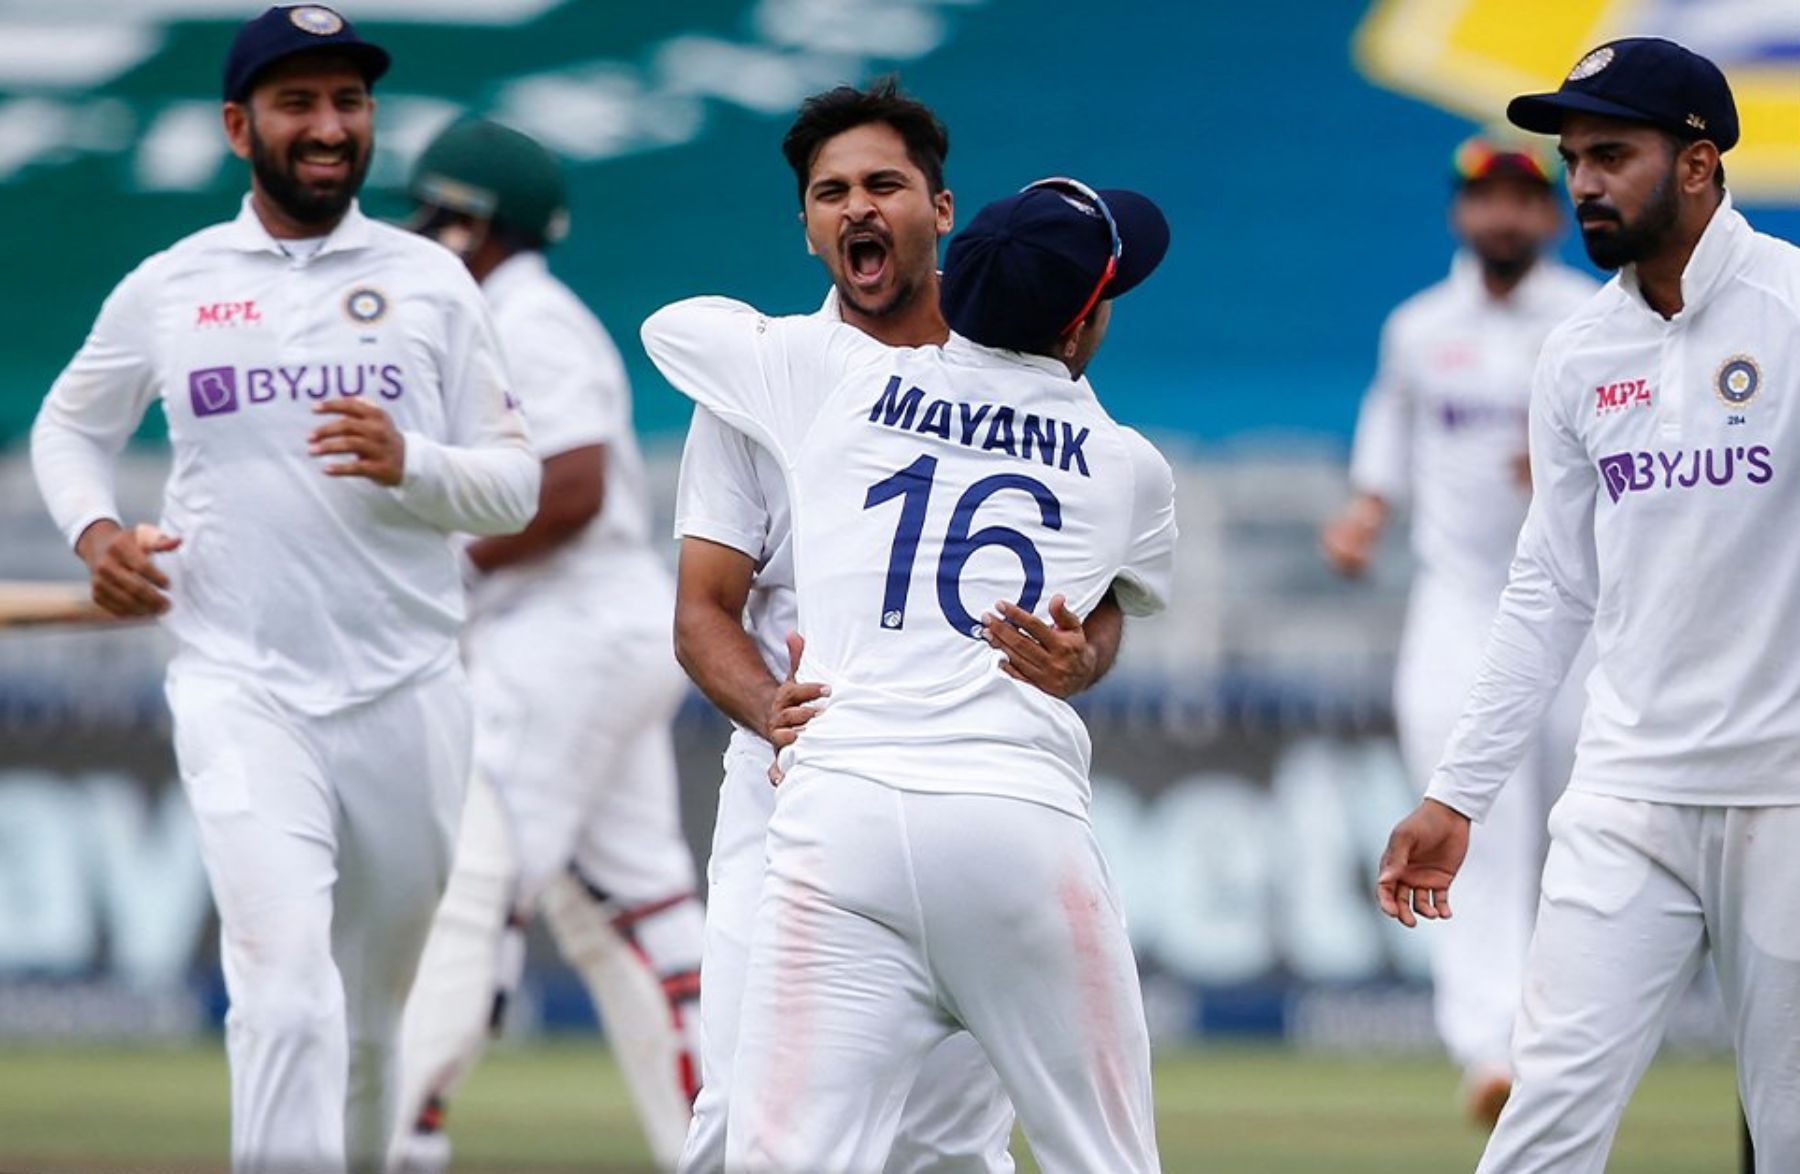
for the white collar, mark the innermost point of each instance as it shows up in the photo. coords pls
(1716, 257)
(517, 269)
(248, 233)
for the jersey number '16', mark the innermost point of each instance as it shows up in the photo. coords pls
(913, 486)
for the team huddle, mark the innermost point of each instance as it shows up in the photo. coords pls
(423, 685)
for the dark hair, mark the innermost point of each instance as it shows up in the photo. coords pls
(824, 116)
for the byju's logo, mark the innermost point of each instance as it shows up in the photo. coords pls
(213, 391)
(1636, 472)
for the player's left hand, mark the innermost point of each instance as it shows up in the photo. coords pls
(1422, 858)
(792, 706)
(363, 432)
(1056, 659)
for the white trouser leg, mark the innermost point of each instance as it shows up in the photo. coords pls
(1620, 934)
(840, 1006)
(957, 1118)
(1026, 935)
(445, 1029)
(1754, 920)
(268, 836)
(734, 877)
(403, 761)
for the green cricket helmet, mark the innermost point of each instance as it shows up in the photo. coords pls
(492, 172)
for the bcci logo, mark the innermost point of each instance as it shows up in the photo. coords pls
(365, 306)
(1592, 64)
(320, 22)
(1737, 381)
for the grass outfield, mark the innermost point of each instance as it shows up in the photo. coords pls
(562, 1107)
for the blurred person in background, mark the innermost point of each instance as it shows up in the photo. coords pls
(337, 407)
(573, 807)
(1443, 428)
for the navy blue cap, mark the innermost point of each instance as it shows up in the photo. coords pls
(1641, 79)
(1027, 265)
(285, 30)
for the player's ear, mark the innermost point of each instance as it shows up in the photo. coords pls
(945, 205)
(236, 116)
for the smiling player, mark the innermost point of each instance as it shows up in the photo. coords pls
(337, 408)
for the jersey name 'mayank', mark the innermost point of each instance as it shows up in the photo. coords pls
(997, 428)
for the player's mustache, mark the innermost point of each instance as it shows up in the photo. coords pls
(866, 232)
(1593, 212)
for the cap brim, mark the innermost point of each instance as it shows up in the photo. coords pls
(1543, 113)
(1143, 238)
(372, 61)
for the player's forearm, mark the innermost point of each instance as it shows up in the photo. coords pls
(724, 663)
(570, 498)
(1535, 637)
(490, 490)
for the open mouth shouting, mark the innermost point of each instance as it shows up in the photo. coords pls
(868, 258)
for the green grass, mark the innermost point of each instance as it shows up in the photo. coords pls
(562, 1107)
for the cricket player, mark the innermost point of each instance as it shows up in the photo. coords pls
(1443, 427)
(1663, 439)
(868, 166)
(574, 807)
(337, 409)
(930, 863)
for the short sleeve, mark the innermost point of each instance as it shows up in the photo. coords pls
(1147, 576)
(1381, 456)
(566, 374)
(761, 375)
(719, 497)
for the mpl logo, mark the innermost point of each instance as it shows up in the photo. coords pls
(213, 391)
(1637, 472)
(227, 314)
(1616, 397)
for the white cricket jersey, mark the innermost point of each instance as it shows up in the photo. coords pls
(1445, 420)
(328, 590)
(1663, 457)
(570, 381)
(926, 484)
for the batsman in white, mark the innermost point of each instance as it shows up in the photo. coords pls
(337, 408)
(1444, 428)
(1658, 521)
(868, 165)
(930, 862)
(573, 807)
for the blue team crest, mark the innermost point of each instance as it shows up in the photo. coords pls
(1472, 56)
(1738, 381)
(365, 305)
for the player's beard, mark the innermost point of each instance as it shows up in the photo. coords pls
(1506, 260)
(321, 205)
(1630, 243)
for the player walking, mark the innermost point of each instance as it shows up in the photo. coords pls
(337, 407)
(1444, 426)
(930, 863)
(869, 168)
(573, 804)
(1662, 426)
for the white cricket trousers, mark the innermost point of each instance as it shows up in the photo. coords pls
(888, 920)
(1635, 894)
(327, 841)
(1478, 956)
(956, 1119)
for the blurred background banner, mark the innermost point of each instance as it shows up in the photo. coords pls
(1246, 775)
